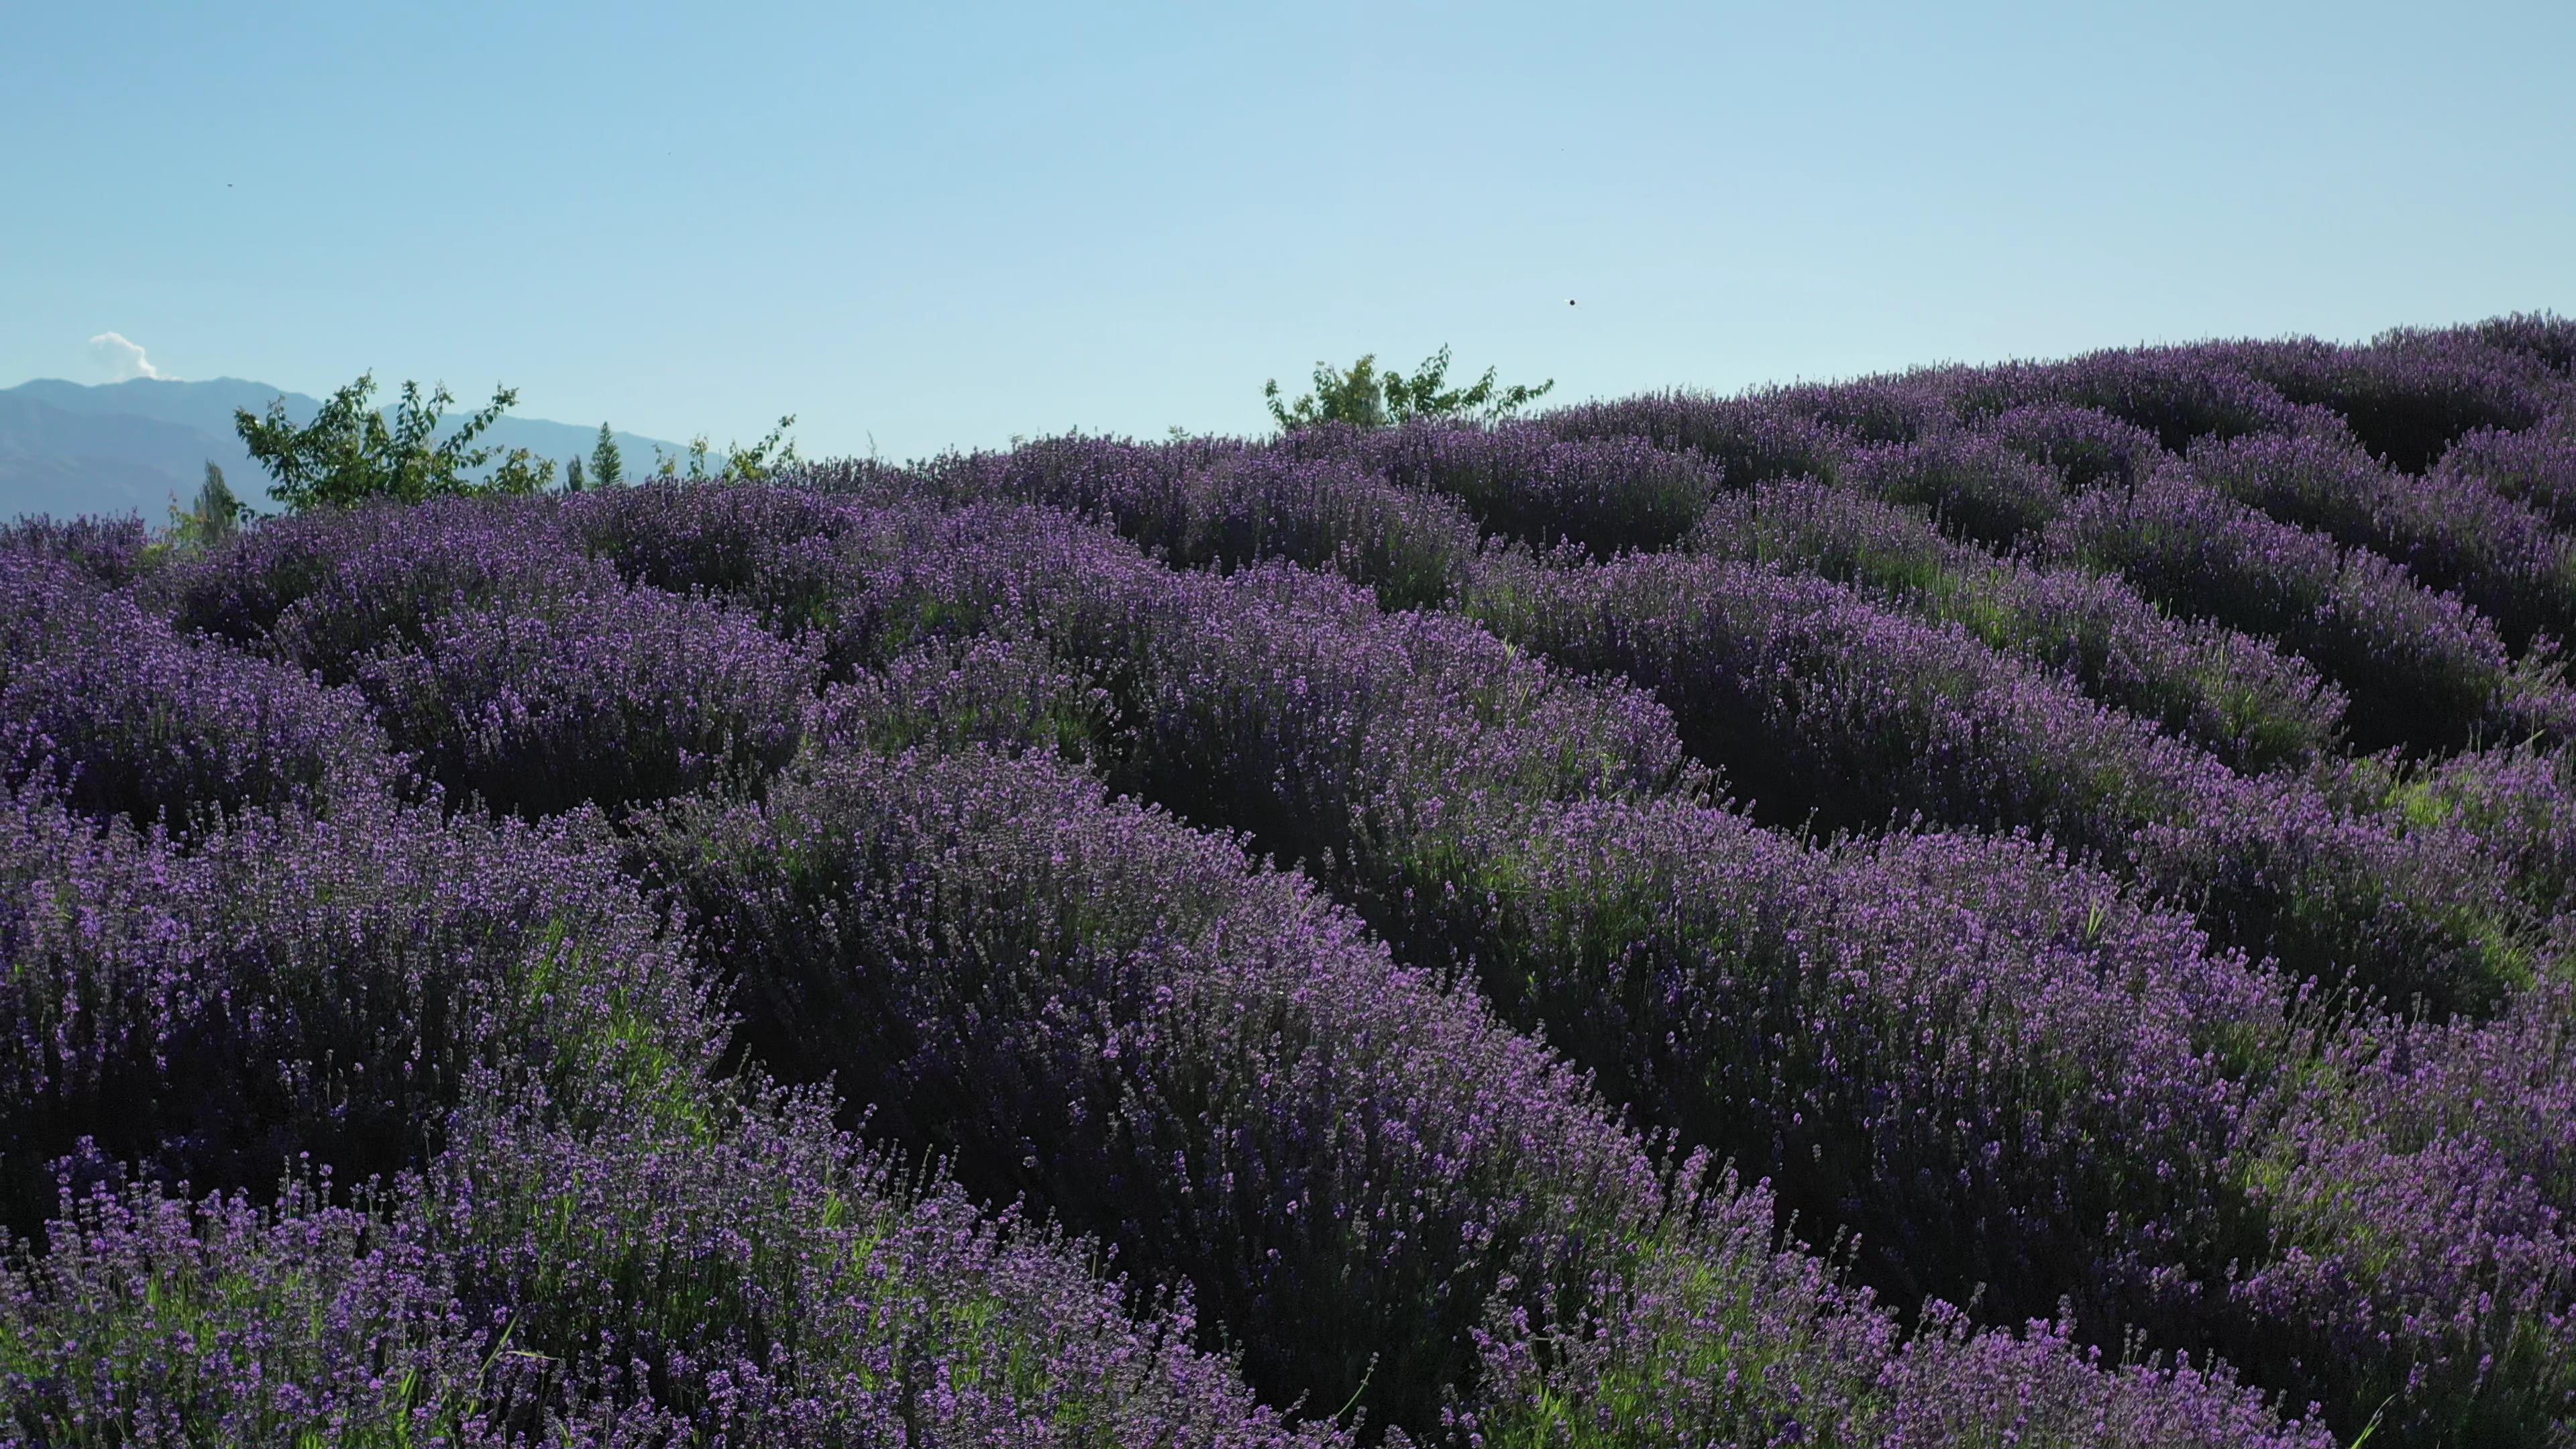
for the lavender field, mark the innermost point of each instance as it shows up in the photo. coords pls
(2019, 905)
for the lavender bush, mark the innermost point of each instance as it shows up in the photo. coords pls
(1973, 487)
(1202, 1062)
(1749, 439)
(102, 702)
(1608, 495)
(2536, 468)
(110, 551)
(2242, 699)
(2502, 558)
(2421, 669)
(2177, 394)
(293, 986)
(612, 699)
(2085, 446)
(2407, 396)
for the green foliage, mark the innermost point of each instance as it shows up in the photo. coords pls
(215, 516)
(756, 464)
(350, 454)
(607, 465)
(1364, 397)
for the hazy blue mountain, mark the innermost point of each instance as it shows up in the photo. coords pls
(66, 448)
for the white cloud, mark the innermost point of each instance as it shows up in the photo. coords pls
(124, 360)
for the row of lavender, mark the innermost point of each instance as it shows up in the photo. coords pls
(239, 938)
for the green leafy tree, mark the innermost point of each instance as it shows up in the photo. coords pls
(762, 460)
(1365, 397)
(572, 475)
(607, 464)
(215, 516)
(350, 453)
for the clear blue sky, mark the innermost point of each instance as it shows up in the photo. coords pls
(946, 224)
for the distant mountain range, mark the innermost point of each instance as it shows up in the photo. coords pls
(129, 447)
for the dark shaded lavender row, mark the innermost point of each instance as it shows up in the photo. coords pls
(2406, 397)
(2502, 558)
(2236, 696)
(2536, 468)
(2409, 393)
(2113, 418)
(2421, 669)
(1824, 708)
(1380, 751)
